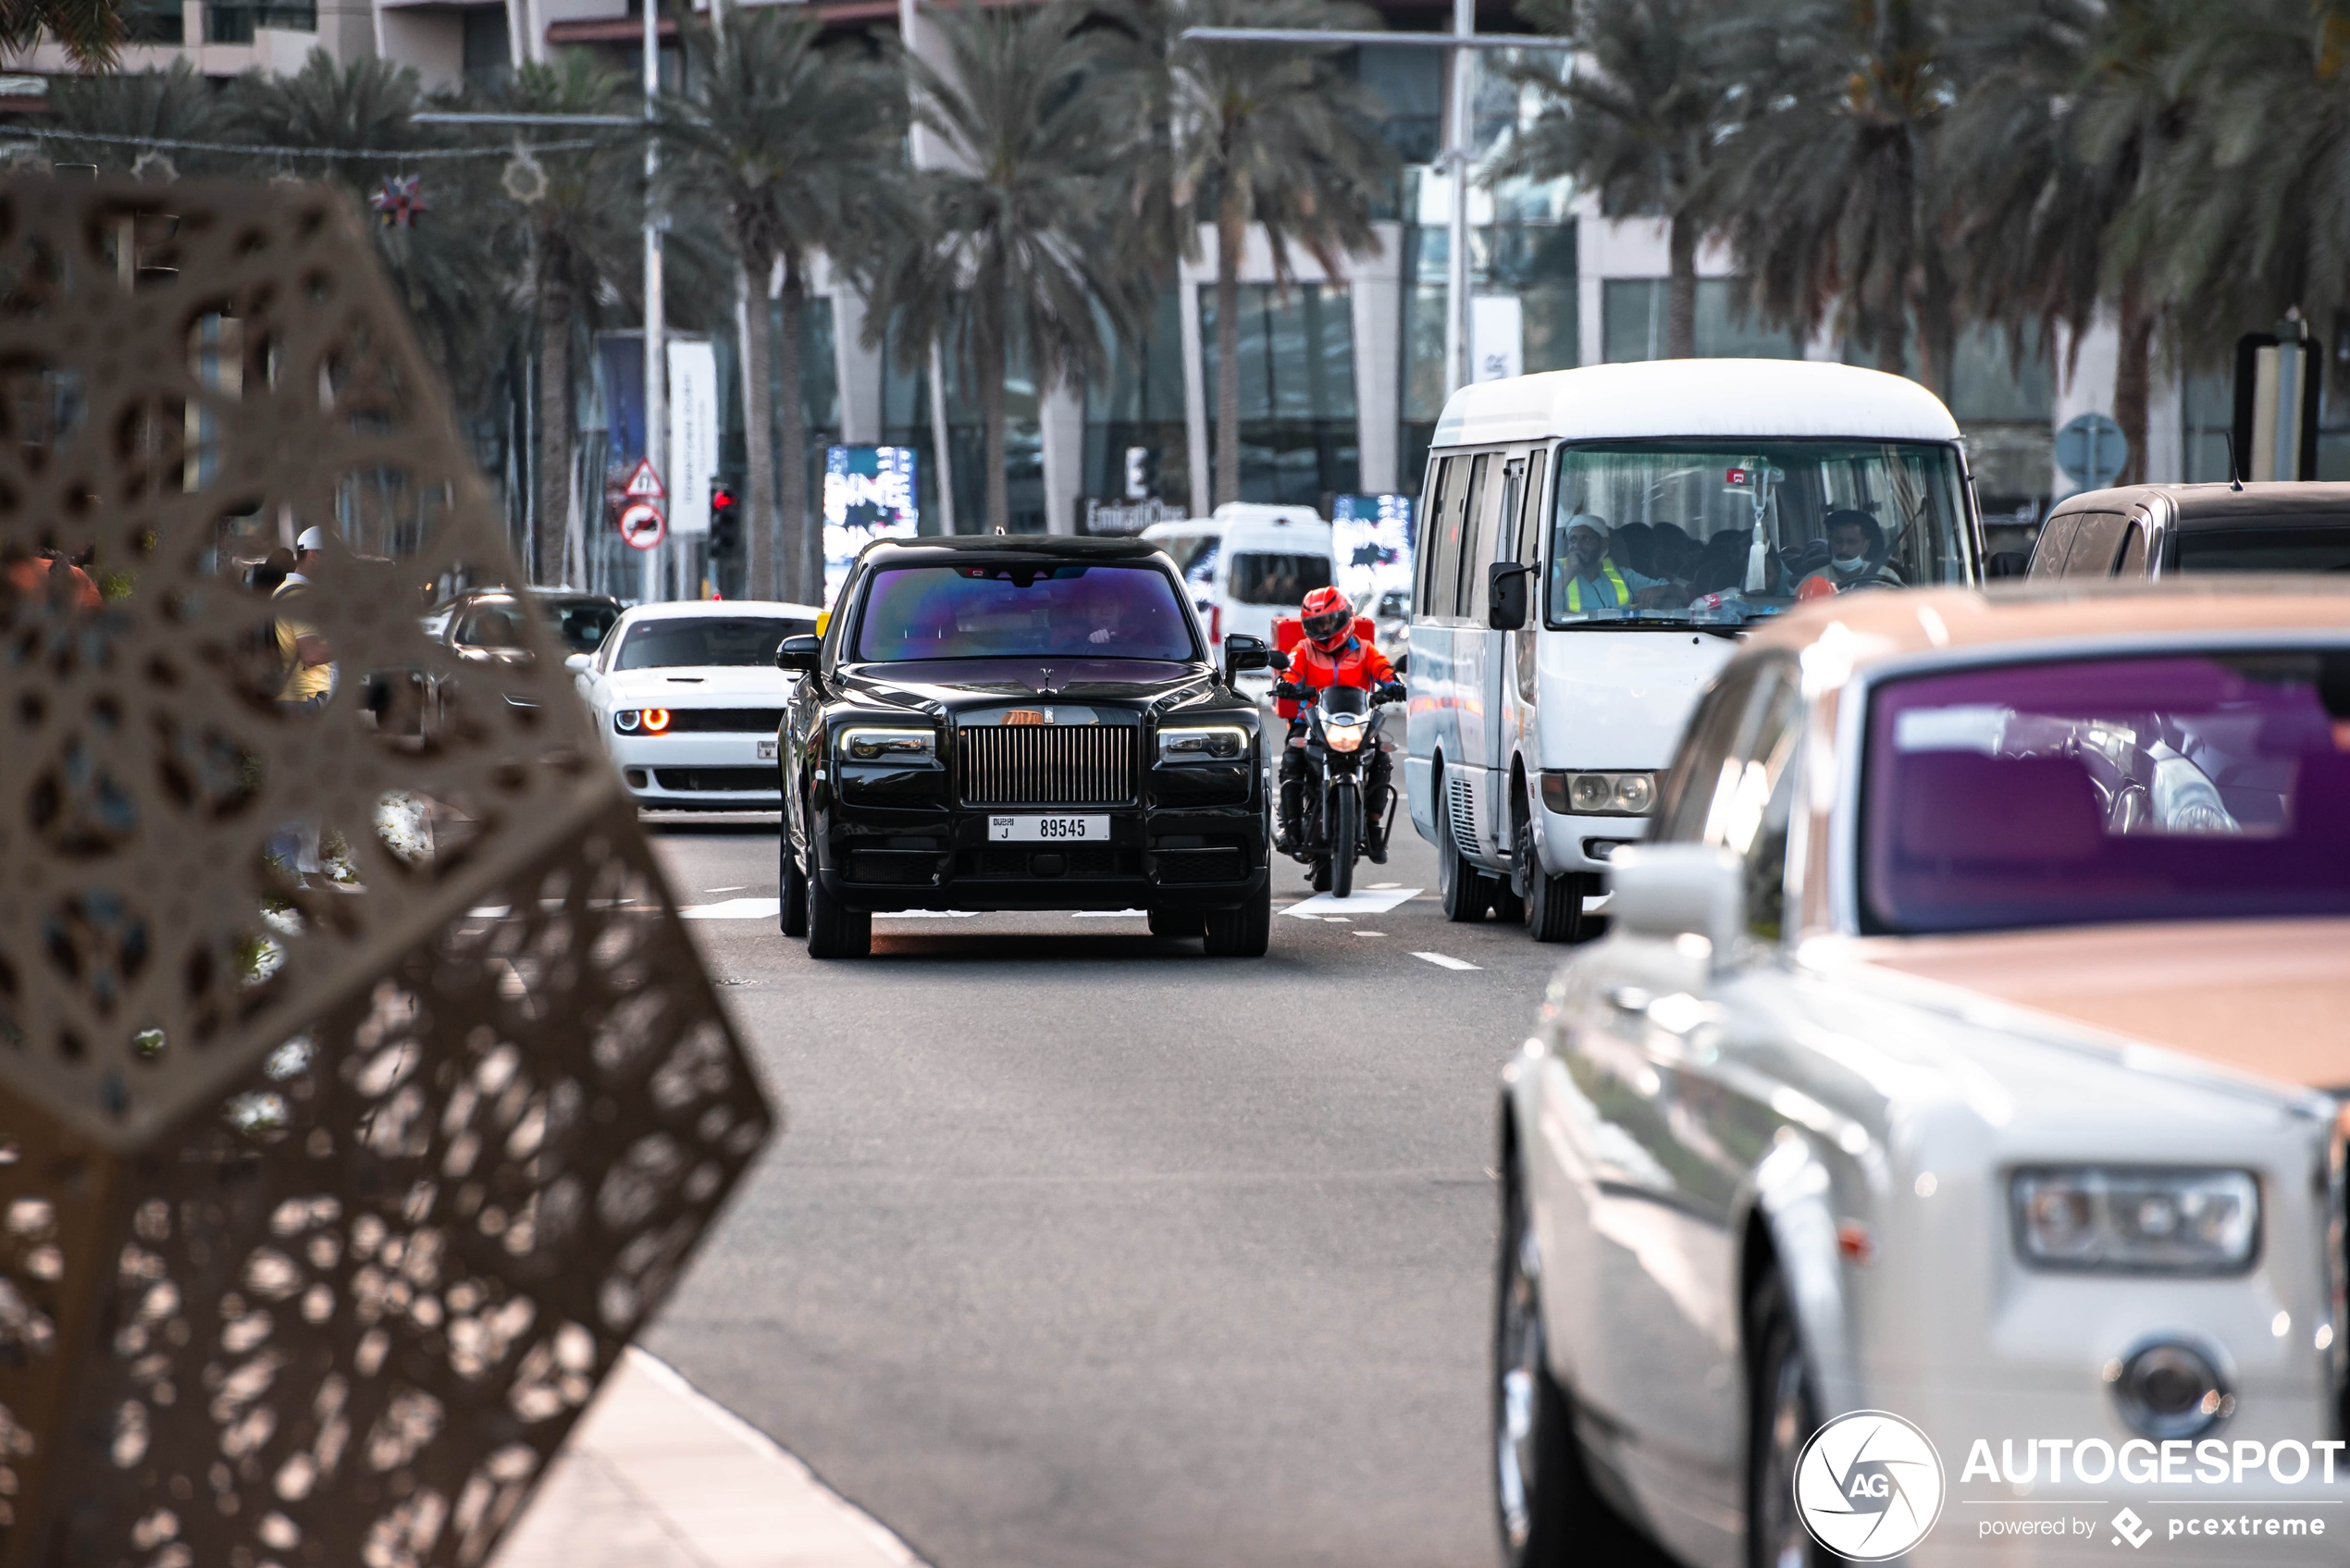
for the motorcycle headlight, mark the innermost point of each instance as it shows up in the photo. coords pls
(1209, 743)
(2136, 1220)
(1344, 737)
(1599, 795)
(888, 745)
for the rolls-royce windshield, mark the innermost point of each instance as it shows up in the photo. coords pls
(2193, 786)
(1016, 611)
(1681, 533)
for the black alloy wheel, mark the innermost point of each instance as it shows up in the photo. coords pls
(1781, 1420)
(1554, 904)
(1176, 922)
(791, 888)
(1465, 891)
(834, 930)
(1244, 930)
(1548, 1514)
(1346, 841)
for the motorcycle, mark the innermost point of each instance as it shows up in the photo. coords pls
(1343, 725)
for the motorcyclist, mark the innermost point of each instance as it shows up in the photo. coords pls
(1331, 655)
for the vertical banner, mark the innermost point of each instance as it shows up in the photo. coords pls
(1496, 338)
(693, 435)
(1371, 539)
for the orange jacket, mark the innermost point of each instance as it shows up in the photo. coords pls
(1358, 662)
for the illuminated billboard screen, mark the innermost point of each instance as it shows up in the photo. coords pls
(870, 492)
(1371, 545)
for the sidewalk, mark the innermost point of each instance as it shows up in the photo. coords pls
(658, 1475)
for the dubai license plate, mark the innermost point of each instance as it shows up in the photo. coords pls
(1047, 830)
(767, 750)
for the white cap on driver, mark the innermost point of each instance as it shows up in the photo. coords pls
(310, 538)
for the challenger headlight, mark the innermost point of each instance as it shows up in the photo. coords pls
(1599, 795)
(888, 745)
(640, 721)
(2132, 1220)
(1211, 743)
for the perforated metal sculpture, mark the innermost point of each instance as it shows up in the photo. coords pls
(325, 1199)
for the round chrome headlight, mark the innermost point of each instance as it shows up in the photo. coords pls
(2170, 1390)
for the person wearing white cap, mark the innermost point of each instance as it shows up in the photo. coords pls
(1584, 581)
(309, 545)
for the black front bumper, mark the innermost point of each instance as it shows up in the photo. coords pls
(882, 859)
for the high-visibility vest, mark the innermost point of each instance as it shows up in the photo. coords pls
(1616, 581)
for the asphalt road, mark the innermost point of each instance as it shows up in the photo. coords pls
(1086, 1249)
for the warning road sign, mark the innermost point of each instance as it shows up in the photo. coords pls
(642, 526)
(645, 485)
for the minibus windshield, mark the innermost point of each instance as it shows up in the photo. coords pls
(1728, 532)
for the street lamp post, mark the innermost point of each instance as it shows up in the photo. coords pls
(656, 379)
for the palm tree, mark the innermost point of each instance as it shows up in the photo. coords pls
(2054, 153)
(1251, 134)
(1018, 247)
(803, 148)
(90, 29)
(1834, 199)
(176, 104)
(446, 269)
(1639, 123)
(575, 224)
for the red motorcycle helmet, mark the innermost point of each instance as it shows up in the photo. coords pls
(1328, 618)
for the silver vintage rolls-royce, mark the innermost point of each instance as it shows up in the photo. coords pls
(1941, 1158)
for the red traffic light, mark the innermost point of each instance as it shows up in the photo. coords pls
(721, 499)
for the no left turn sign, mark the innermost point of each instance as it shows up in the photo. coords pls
(642, 526)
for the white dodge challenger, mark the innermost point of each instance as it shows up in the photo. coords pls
(690, 701)
(1942, 1158)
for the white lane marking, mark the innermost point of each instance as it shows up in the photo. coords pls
(1370, 934)
(1442, 962)
(1340, 919)
(1597, 906)
(1383, 887)
(737, 888)
(735, 909)
(1378, 901)
(1110, 914)
(924, 914)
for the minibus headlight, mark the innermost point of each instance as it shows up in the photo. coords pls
(1599, 795)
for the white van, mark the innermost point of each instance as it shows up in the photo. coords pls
(1249, 563)
(1595, 541)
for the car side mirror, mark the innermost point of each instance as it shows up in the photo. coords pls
(1505, 595)
(1671, 890)
(2008, 563)
(798, 653)
(1245, 652)
(1279, 661)
(580, 663)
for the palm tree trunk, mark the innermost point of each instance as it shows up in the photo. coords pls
(1231, 229)
(803, 538)
(759, 432)
(1680, 299)
(991, 399)
(2130, 382)
(554, 432)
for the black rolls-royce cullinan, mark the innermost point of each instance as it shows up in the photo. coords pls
(1022, 723)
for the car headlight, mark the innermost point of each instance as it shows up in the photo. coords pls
(1212, 743)
(888, 745)
(640, 721)
(2134, 1220)
(1599, 795)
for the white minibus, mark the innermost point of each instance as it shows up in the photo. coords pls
(1249, 563)
(1594, 542)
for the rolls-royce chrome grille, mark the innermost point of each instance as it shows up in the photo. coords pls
(1047, 764)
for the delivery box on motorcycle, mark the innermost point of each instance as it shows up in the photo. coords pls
(1289, 632)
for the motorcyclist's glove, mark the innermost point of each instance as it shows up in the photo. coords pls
(1288, 691)
(1391, 691)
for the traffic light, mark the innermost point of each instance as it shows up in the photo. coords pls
(725, 524)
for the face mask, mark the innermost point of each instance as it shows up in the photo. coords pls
(1849, 562)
